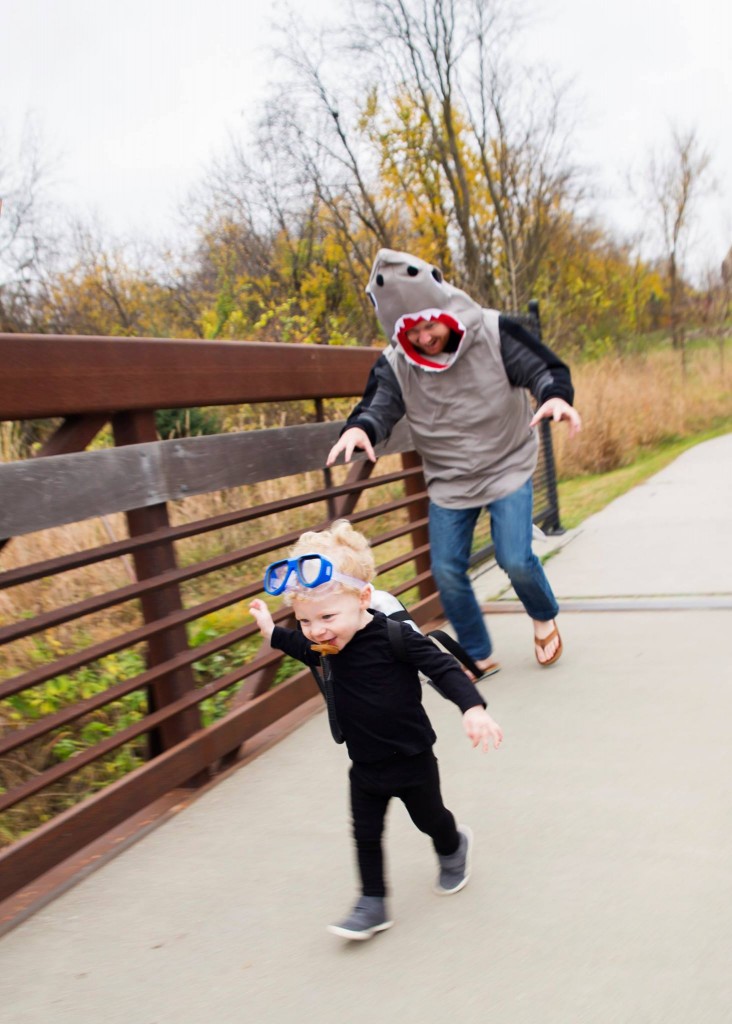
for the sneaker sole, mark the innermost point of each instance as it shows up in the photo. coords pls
(344, 933)
(468, 833)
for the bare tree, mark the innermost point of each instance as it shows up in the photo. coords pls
(717, 302)
(485, 149)
(28, 243)
(676, 182)
(316, 125)
(437, 144)
(230, 239)
(268, 206)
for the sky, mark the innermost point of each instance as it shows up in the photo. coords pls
(133, 100)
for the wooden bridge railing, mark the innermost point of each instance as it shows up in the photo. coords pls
(184, 700)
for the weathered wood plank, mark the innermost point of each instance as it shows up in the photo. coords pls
(47, 375)
(37, 494)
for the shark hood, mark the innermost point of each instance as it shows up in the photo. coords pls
(406, 290)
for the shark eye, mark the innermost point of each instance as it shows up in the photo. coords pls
(380, 280)
(412, 271)
(437, 275)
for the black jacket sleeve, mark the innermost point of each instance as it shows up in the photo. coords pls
(382, 405)
(294, 643)
(530, 364)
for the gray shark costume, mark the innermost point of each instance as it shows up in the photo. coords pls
(469, 414)
(469, 411)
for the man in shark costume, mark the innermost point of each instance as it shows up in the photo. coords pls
(462, 374)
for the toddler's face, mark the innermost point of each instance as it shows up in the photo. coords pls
(332, 618)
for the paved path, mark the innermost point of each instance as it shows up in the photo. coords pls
(601, 889)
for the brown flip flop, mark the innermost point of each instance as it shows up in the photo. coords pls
(544, 642)
(489, 670)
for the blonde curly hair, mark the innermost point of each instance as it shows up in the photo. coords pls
(346, 548)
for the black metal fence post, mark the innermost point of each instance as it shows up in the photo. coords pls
(551, 522)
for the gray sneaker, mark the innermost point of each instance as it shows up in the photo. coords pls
(366, 919)
(455, 868)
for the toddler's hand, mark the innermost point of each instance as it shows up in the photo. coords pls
(480, 728)
(260, 614)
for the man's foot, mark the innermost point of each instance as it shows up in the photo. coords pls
(547, 642)
(455, 868)
(487, 666)
(366, 919)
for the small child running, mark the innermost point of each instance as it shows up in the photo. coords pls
(377, 705)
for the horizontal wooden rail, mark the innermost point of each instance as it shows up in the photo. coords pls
(78, 559)
(70, 662)
(71, 830)
(111, 598)
(45, 492)
(47, 375)
(37, 783)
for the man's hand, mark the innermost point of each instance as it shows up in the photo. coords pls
(480, 728)
(352, 438)
(557, 409)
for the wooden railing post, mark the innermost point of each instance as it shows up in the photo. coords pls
(327, 475)
(345, 504)
(420, 534)
(138, 428)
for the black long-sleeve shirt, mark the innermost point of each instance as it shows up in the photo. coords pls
(377, 697)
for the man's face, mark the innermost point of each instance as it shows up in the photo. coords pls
(429, 336)
(332, 618)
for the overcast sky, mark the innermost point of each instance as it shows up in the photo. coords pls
(135, 98)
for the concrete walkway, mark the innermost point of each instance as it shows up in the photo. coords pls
(602, 881)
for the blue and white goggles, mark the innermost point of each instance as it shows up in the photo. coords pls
(310, 571)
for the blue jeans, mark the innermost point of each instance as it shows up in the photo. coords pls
(451, 537)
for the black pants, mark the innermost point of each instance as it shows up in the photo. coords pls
(416, 782)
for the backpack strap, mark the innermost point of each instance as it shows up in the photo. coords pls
(396, 639)
(399, 649)
(394, 630)
(457, 651)
(401, 616)
(324, 679)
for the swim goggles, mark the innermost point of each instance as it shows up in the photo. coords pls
(310, 571)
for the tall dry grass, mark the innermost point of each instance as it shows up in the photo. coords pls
(638, 401)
